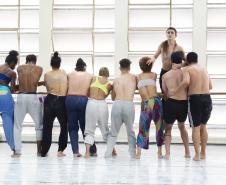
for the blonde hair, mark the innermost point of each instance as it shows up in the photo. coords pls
(104, 72)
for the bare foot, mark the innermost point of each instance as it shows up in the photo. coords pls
(138, 155)
(167, 156)
(77, 155)
(15, 155)
(160, 154)
(196, 158)
(187, 155)
(87, 155)
(114, 153)
(60, 154)
(202, 156)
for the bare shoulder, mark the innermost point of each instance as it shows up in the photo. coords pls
(133, 76)
(21, 67)
(90, 75)
(71, 73)
(47, 74)
(179, 48)
(115, 81)
(13, 74)
(39, 68)
(63, 71)
(167, 74)
(185, 69)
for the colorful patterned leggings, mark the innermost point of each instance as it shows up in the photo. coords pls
(151, 110)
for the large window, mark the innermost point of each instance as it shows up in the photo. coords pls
(85, 29)
(19, 27)
(216, 43)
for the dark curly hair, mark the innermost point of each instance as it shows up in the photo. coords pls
(124, 63)
(12, 57)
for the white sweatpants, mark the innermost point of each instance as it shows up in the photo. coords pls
(96, 113)
(122, 112)
(31, 104)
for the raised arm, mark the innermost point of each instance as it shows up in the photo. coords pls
(155, 56)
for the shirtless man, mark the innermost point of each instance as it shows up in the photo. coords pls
(200, 103)
(176, 106)
(166, 48)
(54, 106)
(28, 102)
(78, 88)
(123, 108)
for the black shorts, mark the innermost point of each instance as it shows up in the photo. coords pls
(199, 109)
(175, 110)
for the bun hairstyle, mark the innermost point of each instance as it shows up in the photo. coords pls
(12, 57)
(55, 54)
(13, 53)
(80, 65)
(55, 60)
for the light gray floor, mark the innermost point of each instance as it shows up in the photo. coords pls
(30, 169)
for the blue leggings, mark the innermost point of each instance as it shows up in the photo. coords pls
(76, 110)
(7, 114)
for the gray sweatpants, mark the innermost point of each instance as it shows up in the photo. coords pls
(96, 112)
(122, 112)
(27, 103)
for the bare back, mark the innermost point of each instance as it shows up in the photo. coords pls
(124, 87)
(56, 82)
(6, 70)
(28, 76)
(199, 82)
(147, 91)
(97, 93)
(171, 80)
(79, 82)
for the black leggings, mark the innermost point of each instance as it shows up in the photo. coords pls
(54, 107)
(160, 78)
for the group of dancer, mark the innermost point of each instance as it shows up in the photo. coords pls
(77, 100)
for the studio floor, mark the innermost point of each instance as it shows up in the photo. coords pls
(30, 169)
